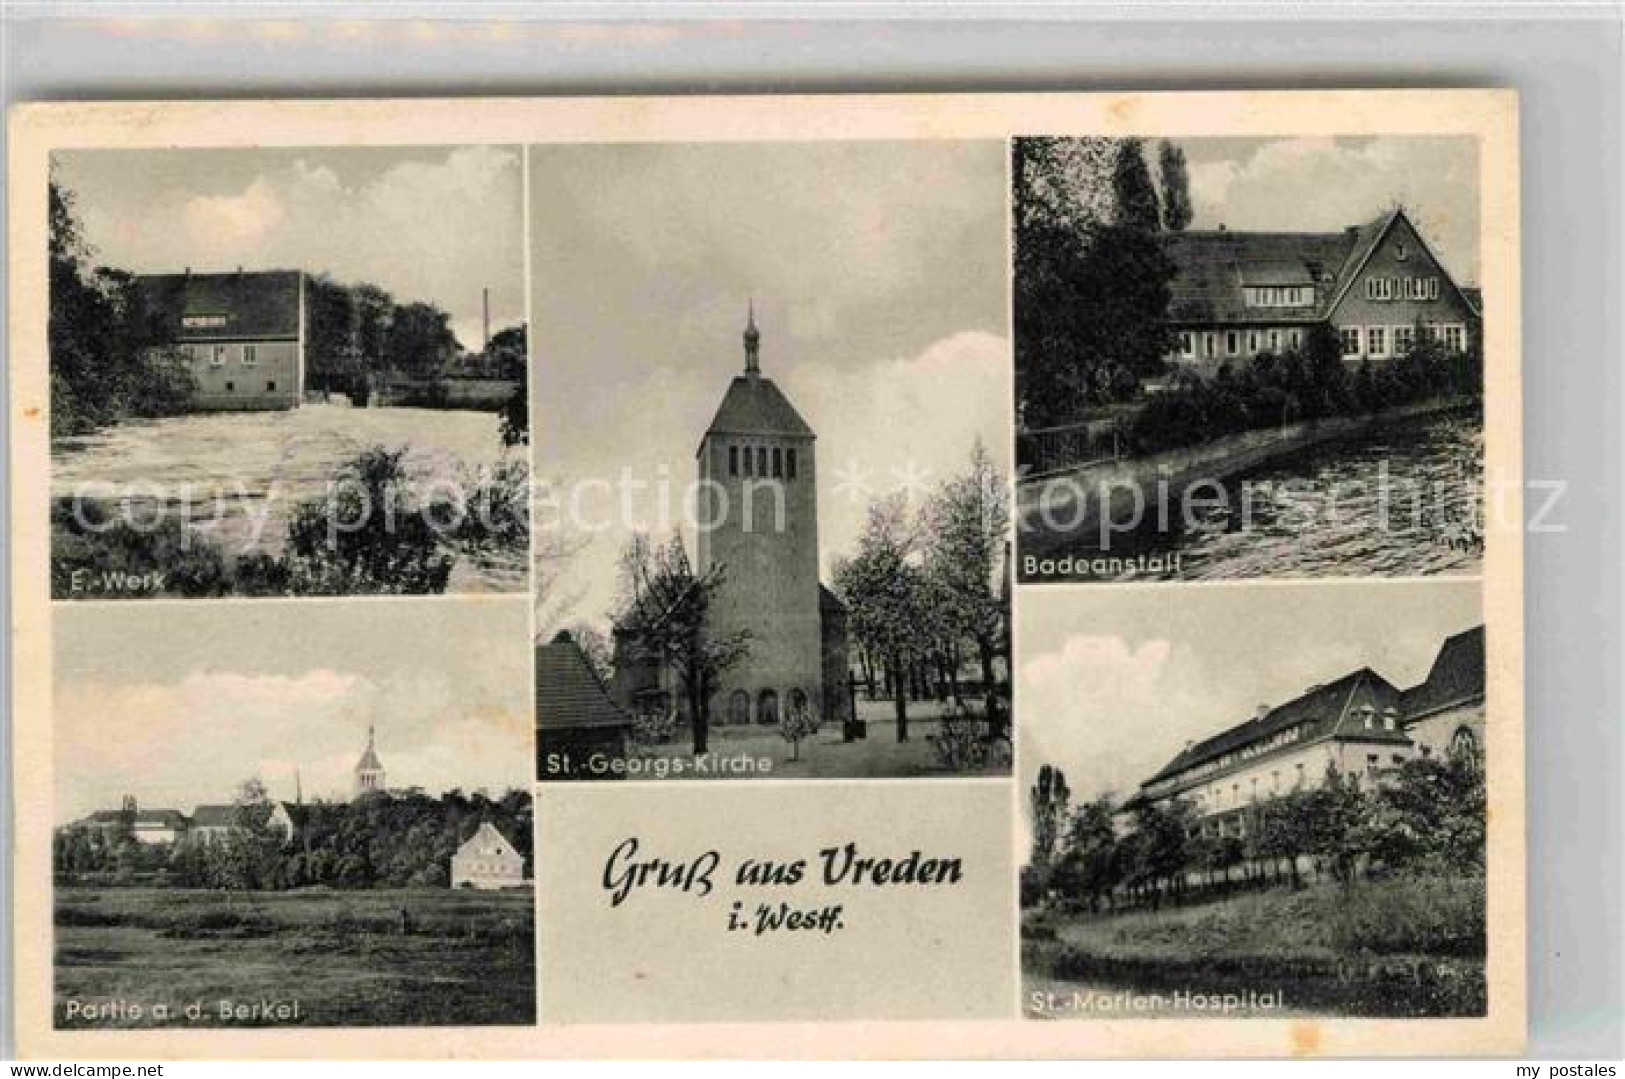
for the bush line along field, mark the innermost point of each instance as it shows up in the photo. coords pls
(396, 957)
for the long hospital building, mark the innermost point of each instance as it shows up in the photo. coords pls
(1237, 294)
(1361, 723)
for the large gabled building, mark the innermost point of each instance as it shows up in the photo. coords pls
(242, 335)
(1360, 724)
(1238, 294)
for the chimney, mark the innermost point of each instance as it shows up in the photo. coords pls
(189, 271)
(1221, 226)
(485, 309)
(1263, 710)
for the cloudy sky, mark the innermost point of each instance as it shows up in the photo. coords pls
(431, 224)
(178, 703)
(1114, 681)
(1327, 184)
(879, 277)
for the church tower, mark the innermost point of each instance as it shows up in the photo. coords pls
(369, 770)
(757, 517)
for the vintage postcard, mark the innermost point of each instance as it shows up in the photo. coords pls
(1079, 533)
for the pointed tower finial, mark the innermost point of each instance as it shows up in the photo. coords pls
(753, 340)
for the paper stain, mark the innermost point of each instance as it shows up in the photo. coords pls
(1306, 1039)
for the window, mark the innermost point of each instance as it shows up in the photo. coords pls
(251, 355)
(778, 463)
(1371, 763)
(1208, 341)
(1400, 253)
(1275, 780)
(790, 463)
(749, 457)
(217, 356)
(1275, 340)
(1455, 338)
(1296, 338)
(1187, 344)
(1232, 343)
(270, 386)
(203, 322)
(1252, 341)
(761, 460)
(1404, 338)
(1350, 337)
(231, 387)
(733, 460)
(1300, 773)
(1464, 743)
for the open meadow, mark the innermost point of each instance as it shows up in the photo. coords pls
(139, 957)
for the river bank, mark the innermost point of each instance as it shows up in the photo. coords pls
(1394, 493)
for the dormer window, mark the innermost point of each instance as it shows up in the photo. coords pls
(733, 460)
(748, 458)
(778, 463)
(1400, 253)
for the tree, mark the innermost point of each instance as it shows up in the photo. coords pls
(1135, 193)
(666, 607)
(969, 516)
(110, 358)
(597, 650)
(506, 355)
(884, 596)
(1091, 276)
(1049, 797)
(367, 535)
(1091, 842)
(1176, 187)
(420, 341)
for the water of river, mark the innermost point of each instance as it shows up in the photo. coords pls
(1402, 500)
(228, 471)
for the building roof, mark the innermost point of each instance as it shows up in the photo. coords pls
(1323, 710)
(488, 833)
(1456, 677)
(255, 304)
(227, 816)
(164, 818)
(753, 405)
(1215, 265)
(568, 691)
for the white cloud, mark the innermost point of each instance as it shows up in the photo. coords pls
(220, 226)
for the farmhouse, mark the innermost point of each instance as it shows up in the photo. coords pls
(487, 861)
(242, 335)
(1237, 294)
(1360, 723)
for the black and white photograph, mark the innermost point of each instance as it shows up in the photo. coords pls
(1247, 357)
(1254, 801)
(773, 508)
(287, 372)
(304, 815)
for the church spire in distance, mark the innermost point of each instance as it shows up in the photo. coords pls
(753, 341)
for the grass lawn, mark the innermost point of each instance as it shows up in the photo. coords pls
(463, 958)
(822, 756)
(1390, 947)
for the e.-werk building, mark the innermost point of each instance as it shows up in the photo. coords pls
(757, 517)
(1238, 294)
(1361, 725)
(242, 335)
